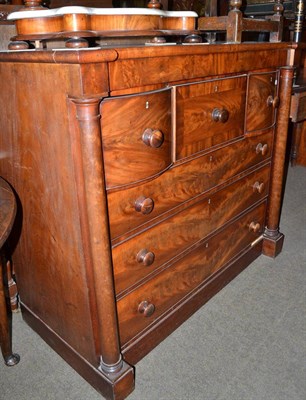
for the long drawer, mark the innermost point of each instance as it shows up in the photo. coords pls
(130, 208)
(146, 304)
(142, 254)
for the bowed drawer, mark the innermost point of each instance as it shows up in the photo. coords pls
(262, 101)
(136, 137)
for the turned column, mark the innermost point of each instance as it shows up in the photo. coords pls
(273, 239)
(89, 172)
(298, 21)
(33, 4)
(278, 9)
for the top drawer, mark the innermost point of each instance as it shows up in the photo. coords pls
(261, 101)
(136, 136)
(209, 113)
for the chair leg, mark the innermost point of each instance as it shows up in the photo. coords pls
(12, 287)
(10, 358)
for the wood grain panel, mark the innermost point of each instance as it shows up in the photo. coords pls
(36, 159)
(127, 159)
(172, 236)
(196, 128)
(169, 287)
(134, 69)
(183, 182)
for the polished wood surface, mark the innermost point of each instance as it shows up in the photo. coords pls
(188, 227)
(177, 186)
(135, 212)
(216, 106)
(274, 238)
(7, 217)
(262, 101)
(78, 24)
(170, 286)
(126, 152)
(66, 22)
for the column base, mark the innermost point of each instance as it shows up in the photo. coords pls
(113, 386)
(272, 246)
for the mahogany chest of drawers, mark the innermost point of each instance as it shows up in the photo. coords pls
(147, 178)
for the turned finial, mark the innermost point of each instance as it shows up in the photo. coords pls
(235, 5)
(154, 4)
(278, 7)
(76, 43)
(33, 4)
(18, 45)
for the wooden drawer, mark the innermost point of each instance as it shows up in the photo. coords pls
(165, 290)
(136, 136)
(298, 107)
(209, 113)
(183, 182)
(262, 101)
(144, 253)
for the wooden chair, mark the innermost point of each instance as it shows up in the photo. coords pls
(234, 24)
(7, 216)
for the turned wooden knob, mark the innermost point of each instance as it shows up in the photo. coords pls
(262, 148)
(193, 39)
(154, 4)
(220, 115)
(76, 43)
(258, 187)
(254, 227)
(146, 308)
(235, 4)
(144, 205)
(278, 8)
(145, 257)
(158, 39)
(273, 101)
(153, 137)
(18, 45)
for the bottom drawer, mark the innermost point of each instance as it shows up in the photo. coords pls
(145, 305)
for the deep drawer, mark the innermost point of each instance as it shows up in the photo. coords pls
(142, 307)
(136, 136)
(208, 114)
(183, 182)
(142, 254)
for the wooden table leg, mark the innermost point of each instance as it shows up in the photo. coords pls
(12, 287)
(296, 139)
(10, 358)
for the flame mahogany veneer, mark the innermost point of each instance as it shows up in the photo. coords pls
(147, 178)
